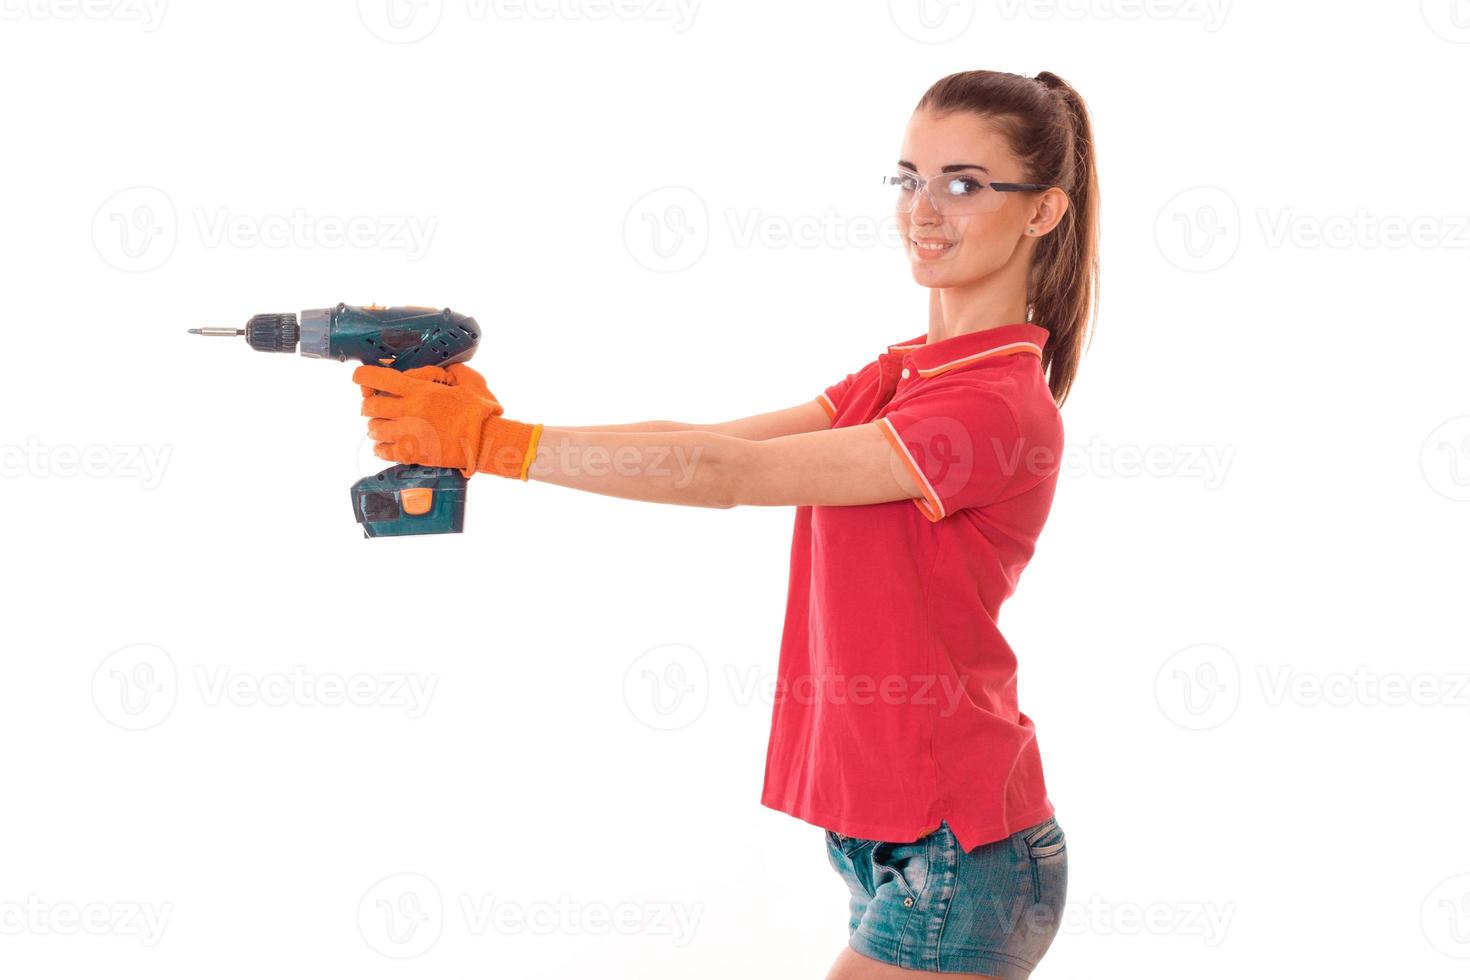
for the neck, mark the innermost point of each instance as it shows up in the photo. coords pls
(997, 299)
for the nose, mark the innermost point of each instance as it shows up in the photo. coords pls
(922, 210)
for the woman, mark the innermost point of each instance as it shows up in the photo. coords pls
(921, 482)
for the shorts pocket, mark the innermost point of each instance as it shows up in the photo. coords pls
(1046, 847)
(848, 846)
(907, 864)
(1045, 839)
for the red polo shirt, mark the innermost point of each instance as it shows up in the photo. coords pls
(895, 701)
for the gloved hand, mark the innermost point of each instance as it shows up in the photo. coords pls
(415, 419)
(457, 375)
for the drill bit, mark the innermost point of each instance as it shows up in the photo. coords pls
(218, 331)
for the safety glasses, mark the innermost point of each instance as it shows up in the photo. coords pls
(953, 193)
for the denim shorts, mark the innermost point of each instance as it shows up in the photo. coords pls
(930, 905)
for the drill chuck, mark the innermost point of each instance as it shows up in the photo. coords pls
(273, 332)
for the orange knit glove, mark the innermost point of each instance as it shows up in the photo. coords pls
(416, 419)
(458, 375)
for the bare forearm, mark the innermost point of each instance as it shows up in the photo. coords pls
(654, 426)
(692, 467)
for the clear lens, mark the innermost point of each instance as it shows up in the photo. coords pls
(957, 193)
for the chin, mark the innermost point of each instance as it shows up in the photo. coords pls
(933, 278)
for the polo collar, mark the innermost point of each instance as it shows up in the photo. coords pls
(961, 350)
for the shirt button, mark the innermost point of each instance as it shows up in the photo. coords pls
(908, 903)
(904, 373)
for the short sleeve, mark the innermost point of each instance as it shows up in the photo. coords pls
(964, 447)
(832, 396)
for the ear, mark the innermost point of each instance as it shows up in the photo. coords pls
(1051, 205)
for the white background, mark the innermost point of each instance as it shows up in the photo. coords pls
(1258, 539)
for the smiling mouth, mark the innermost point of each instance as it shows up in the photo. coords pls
(930, 250)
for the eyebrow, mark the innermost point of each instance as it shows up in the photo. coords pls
(948, 168)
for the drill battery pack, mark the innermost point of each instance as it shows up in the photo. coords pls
(408, 499)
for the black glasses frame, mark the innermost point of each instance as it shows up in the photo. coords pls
(995, 185)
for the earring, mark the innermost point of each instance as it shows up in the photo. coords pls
(1030, 231)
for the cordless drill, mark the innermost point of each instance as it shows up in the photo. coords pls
(403, 499)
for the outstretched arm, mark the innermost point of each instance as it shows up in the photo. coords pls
(806, 417)
(844, 466)
(415, 420)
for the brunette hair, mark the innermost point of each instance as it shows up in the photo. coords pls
(1048, 128)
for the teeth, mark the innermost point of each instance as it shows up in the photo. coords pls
(932, 248)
